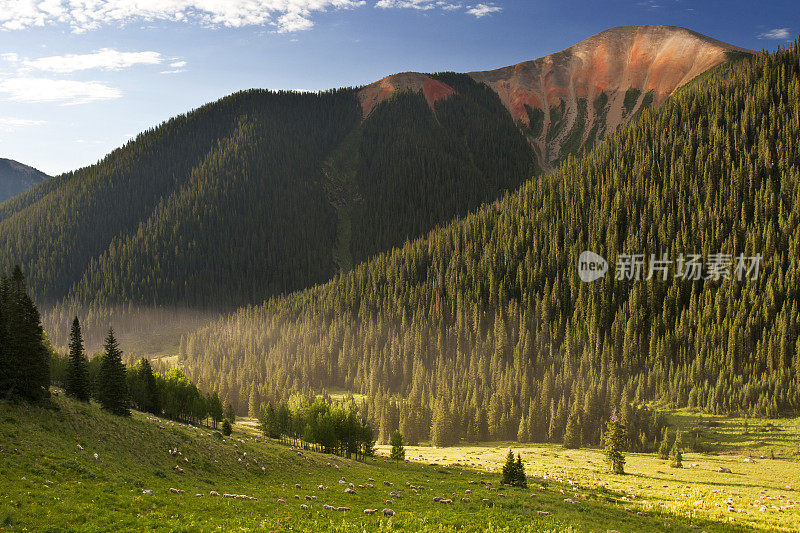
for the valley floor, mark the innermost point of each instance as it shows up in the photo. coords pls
(53, 481)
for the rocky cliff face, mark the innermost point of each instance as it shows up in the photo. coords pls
(572, 99)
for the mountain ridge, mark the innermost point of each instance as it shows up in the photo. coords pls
(617, 71)
(16, 178)
(263, 193)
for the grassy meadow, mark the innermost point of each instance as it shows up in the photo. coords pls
(52, 481)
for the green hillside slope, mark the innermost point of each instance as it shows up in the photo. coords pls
(76, 468)
(484, 327)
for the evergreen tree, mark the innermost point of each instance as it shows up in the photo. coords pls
(398, 452)
(521, 479)
(509, 469)
(227, 429)
(615, 439)
(215, 410)
(677, 458)
(572, 434)
(24, 357)
(269, 422)
(442, 425)
(112, 383)
(514, 471)
(230, 414)
(663, 449)
(143, 387)
(677, 455)
(77, 384)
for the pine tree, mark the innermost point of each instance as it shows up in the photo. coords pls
(252, 404)
(677, 455)
(215, 410)
(614, 440)
(227, 429)
(398, 452)
(269, 422)
(514, 471)
(24, 358)
(677, 459)
(521, 480)
(509, 469)
(112, 385)
(230, 414)
(77, 385)
(572, 434)
(441, 425)
(152, 400)
(663, 449)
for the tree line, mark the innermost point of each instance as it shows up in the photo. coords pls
(117, 388)
(321, 425)
(483, 329)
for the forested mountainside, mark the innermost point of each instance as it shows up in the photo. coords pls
(263, 193)
(259, 194)
(16, 178)
(482, 329)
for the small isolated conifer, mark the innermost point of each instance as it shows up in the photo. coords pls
(77, 385)
(398, 452)
(112, 384)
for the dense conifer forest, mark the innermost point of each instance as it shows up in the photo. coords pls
(259, 194)
(483, 329)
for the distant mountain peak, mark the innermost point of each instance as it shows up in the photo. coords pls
(571, 99)
(16, 178)
(576, 97)
(374, 93)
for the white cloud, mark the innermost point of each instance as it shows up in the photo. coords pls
(421, 5)
(176, 67)
(9, 125)
(775, 33)
(481, 10)
(64, 92)
(86, 15)
(104, 59)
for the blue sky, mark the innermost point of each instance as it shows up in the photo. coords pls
(80, 77)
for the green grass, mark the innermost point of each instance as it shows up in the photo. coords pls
(49, 484)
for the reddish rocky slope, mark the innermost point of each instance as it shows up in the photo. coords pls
(574, 98)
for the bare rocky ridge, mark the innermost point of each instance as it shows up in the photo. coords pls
(379, 91)
(575, 98)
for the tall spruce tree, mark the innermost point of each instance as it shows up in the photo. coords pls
(572, 434)
(215, 410)
(142, 387)
(615, 439)
(24, 358)
(77, 385)
(398, 452)
(112, 385)
(663, 449)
